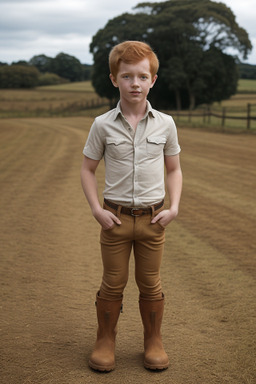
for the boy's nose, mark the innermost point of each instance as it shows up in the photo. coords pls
(135, 82)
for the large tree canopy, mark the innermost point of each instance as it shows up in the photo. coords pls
(197, 42)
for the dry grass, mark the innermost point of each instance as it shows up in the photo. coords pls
(236, 113)
(75, 99)
(61, 100)
(50, 263)
(246, 85)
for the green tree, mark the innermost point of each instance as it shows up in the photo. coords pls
(186, 35)
(41, 62)
(68, 67)
(20, 62)
(219, 76)
(87, 69)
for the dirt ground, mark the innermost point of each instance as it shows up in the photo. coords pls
(51, 269)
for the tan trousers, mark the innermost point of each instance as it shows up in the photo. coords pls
(146, 240)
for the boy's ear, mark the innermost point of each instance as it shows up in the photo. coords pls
(153, 81)
(113, 80)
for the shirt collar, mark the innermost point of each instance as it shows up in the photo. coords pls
(149, 110)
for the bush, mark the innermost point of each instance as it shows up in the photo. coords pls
(18, 76)
(51, 79)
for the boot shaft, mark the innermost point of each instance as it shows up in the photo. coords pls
(155, 357)
(103, 356)
(151, 314)
(108, 312)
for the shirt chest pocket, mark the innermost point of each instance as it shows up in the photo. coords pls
(155, 145)
(116, 147)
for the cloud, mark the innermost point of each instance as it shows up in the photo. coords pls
(48, 18)
(28, 28)
(31, 27)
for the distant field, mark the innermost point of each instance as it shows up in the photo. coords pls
(80, 99)
(245, 85)
(83, 86)
(235, 109)
(57, 100)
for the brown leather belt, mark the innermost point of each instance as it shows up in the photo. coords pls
(134, 211)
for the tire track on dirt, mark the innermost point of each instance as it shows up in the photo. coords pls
(42, 257)
(219, 205)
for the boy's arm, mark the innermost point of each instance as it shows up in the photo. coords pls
(90, 188)
(174, 187)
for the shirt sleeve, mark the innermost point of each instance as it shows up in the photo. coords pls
(95, 145)
(172, 146)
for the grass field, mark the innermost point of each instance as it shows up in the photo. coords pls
(83, 86)
(80, 99)
(235, 110)
(59, 100)
(245, 85)
(51, 270)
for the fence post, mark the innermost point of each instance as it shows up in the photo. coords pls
(209, 115)
(223, 116)
(248, 116)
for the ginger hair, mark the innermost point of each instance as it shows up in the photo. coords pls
(132, 52)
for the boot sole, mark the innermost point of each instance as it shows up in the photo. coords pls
(101, 368)
(156, 367)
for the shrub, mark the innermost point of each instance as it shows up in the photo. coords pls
(18, 76)
(50, 79)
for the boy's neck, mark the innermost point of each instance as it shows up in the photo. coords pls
(134, 113)
(136, 110)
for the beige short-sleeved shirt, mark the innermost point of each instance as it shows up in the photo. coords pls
(134, 160)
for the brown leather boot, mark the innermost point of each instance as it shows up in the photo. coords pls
(103, 355)
(155, 357)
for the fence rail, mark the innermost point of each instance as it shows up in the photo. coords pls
(222, 116)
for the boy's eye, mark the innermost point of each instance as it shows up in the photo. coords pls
(144, 77)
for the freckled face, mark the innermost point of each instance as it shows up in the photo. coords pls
(134, 81)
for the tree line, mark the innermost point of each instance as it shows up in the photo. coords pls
(43, 70)
(247, 71)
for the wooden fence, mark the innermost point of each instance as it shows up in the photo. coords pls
(203, 116)
(221, 116)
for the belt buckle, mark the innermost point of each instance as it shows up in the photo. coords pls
(135, 209)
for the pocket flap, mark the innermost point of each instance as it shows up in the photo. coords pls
(115, 140)
(156, 139)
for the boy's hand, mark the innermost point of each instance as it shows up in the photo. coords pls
(165, 217)
(106, 219)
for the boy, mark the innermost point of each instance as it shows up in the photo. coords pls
(135, 141)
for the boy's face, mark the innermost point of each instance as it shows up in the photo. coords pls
(134, 81)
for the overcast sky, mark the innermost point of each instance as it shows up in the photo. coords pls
(33, 27)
